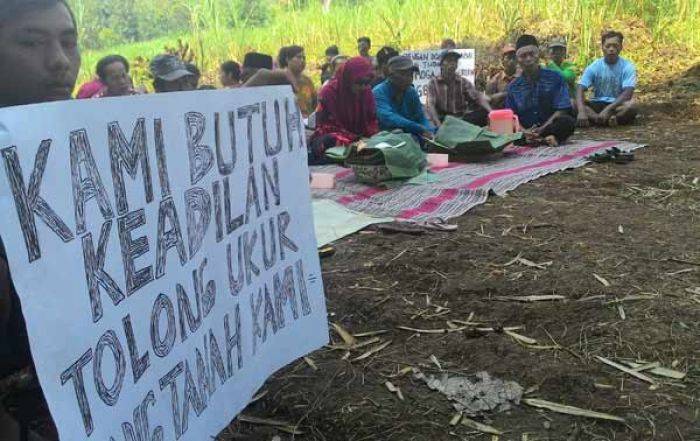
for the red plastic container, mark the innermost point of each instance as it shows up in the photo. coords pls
(503, 122)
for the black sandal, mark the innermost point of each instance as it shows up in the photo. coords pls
(613, 155)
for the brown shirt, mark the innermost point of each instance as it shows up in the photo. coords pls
(452, 97)
(499, 82)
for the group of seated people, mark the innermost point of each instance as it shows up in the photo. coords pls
(362, 95)
(549, 101)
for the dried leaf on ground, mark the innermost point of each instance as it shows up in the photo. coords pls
(370, 333)
(660, 371)
(358, 345)
(520, 338)
(602, 280)
(540, 298)
(281, 425)
(633, 298)
(683, 271)
(373, 351)
(571, 410)
(311, 363)
(625, 369)
(532, 264)
(258, 396)
(480, 427)
(436, 362)
(646, 367)
(394, 390)
(345, 335)
(431, 331)
(527, 262)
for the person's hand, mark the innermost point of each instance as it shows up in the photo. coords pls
(582, 120)
(604, 116)
(277, 77)
(531, 136)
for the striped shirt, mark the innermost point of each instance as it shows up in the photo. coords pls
(452, 97)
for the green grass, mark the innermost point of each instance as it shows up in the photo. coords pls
(662, 36)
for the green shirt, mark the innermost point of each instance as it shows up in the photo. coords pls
(567, 70)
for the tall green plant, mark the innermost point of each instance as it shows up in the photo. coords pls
(223, 29)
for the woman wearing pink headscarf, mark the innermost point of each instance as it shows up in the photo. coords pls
(346, 111)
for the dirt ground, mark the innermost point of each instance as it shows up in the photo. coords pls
(635, 226)
(620, 243)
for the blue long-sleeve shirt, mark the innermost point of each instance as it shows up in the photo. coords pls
(407, 115)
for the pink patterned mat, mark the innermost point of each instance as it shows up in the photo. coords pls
(459, 187)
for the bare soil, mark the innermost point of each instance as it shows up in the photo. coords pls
(635, 226)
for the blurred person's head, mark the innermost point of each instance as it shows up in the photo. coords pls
(331, 52)
(113, 72)
(356, 74)
(509, 60)
(612, 46)
(364, 45)
(401, 70)
(252, 63)
(39, 51)
(528, 52)
(292, 58)
(448, 44)
(383, 56)
(196, 74)
(230, 74)
(449, 61)
(170, 74)
(557, 50)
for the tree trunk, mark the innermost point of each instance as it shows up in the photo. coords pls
(326, 5)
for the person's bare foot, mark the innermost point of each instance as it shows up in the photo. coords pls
(551, 141)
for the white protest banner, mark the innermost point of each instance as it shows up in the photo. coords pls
(163, 250)
(429, 64)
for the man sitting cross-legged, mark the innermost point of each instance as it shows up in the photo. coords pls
(613, 80)
(540, 97)
(398, 104)
(452, 94)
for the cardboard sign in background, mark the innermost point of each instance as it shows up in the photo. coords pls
(163, 250)
(429, 64)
